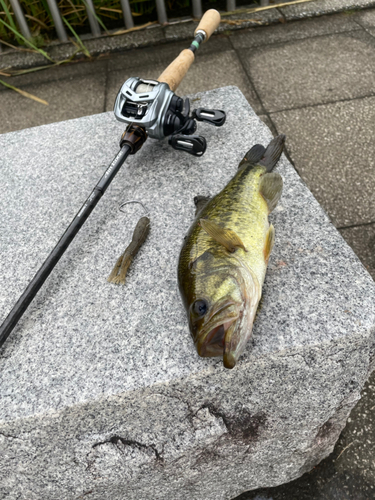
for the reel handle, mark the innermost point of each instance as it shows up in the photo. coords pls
(176, 71)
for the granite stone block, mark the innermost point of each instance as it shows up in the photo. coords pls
(102, 392)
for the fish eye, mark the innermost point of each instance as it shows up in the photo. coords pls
(200, 307)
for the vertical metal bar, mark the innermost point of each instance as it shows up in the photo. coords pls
(20, 18)
(94, 25)
(197, 9)
(231, 5)
(57, 21)
(162, 13)
(127, 13)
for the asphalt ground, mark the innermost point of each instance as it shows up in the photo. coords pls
(313, 80)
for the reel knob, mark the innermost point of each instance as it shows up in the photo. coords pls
(192, 144)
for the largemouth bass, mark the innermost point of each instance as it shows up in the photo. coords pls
(224, 257)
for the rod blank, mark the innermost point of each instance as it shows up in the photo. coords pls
(36, 283)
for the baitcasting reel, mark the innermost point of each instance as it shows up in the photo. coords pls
(153, 106)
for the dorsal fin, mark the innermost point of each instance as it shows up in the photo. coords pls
(226, 237)
(254, 155)
(273, 152)
(270, 187)
(270, 240)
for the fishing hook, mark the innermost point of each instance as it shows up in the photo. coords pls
(147, 212)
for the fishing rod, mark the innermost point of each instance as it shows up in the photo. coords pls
(150, 108)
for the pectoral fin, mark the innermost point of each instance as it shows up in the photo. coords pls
(226, 237)
(270, 240)
(270, 188)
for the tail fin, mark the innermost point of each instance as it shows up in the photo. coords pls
(273, 152)
(254, 155)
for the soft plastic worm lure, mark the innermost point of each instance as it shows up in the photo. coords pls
(140, 233)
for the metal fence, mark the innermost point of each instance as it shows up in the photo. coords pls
(94, 25)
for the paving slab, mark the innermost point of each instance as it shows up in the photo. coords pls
(293, 31)
(313, 71)
(52, 74)
(78, 96)
(320, 7)
(165, 53)
(103, 392)
(362, 240)
(365, 18)
(333, 149)
(207, 72)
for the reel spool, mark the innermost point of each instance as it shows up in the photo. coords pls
(153, 105)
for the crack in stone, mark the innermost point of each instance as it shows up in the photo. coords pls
(133, 444)
(9, 436)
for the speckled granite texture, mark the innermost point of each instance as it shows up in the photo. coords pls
(102, 393)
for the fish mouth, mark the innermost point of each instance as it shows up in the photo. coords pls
(215, 339)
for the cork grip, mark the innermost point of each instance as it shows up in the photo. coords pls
(175, 72)
(209, 22)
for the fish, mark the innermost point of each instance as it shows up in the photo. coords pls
(224, 256)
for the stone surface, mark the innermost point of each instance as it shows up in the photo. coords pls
(80, 96)
(366, 18)
(184, 30)
(165, 54)
(293, 31)
(362, 240)
(102, 390)
(333, 148)
(320, 7)
(313, 71)
(66, 73)
(348, 473)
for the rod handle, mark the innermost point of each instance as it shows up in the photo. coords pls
(175, 72)
(209, 22)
